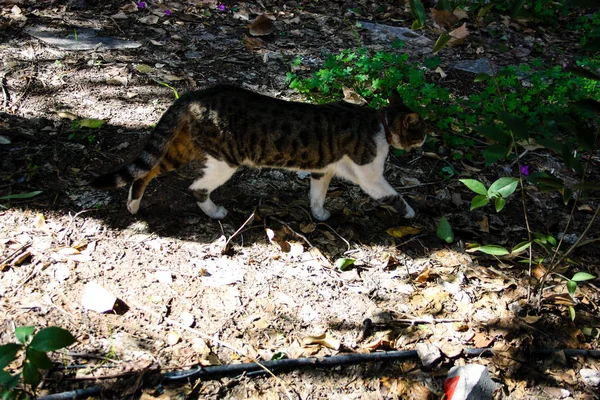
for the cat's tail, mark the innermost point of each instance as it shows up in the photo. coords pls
(149, 159)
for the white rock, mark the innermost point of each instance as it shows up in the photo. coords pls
(96, 298)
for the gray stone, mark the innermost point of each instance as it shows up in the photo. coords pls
(386, 34)
(86, 39)
(480, 66)
(590, 377)
(428, 354)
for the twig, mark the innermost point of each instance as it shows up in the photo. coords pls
(337, 234)
(72, 219)
(301, 236)
(14, 253)
(250, 219)
(210, 338)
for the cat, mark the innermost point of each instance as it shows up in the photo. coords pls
(224, 126)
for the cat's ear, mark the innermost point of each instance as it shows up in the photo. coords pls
(395, 100)
(410, 119)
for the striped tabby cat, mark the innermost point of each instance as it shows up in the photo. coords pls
(224, 127)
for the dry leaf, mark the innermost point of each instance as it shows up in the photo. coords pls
(21, 258)
(324, 339)
(402, 231)
(431, 155)
(460, 14)
(482, 340)
(67, 115)
(129, 7)
(585, 207)
(308, 228)
(440, 71)
(484, 225)
(149, 20)
(458, 35)
(253, 43)
(424, 275)
(96, 298)
(350, 96)
(561, 299)
(444, 18)
(261, 26)
(40, 222)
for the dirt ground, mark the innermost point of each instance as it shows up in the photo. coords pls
(263, 280)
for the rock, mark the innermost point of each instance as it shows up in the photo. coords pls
(386, 34)
(96, 298)
(469, 382)
(480, 66)
(85, 39)
(590, 377)
(428, 354)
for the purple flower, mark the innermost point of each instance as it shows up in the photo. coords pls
(524, 169)
(141, 4)
(221, 7)
(168, 12)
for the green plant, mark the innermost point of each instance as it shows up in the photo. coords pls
(35, 359)
(498, 191)
(374, 77)
(77, 132)
(572, 287)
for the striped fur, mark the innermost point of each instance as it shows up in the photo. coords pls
(225, 127)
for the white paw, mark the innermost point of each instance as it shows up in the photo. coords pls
(133, 206)
(410, 213)
(212, 210)
(321, 214)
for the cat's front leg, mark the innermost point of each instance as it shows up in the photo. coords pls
(318, 191)
(384, 193)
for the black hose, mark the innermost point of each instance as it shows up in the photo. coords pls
(253, 369)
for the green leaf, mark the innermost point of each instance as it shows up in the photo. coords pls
(582, 276)
(8, 381)
(343, 264)
(441, 42)
(515, 124)
(51, 339)
(91, 123)
(21, 195)
(143, 68)
(545, 181)
(31, 375)
(444, 230)
(571, 287)
(516, 8)
(491, 249)
(572, 313)
(443, 5)
(432, 62)
(479, 201)
(484, 10)
(592, 44)
(23, 332)
(482, 77)
(521, 247)
(8, 353)
(493, 132)
(418, 10)
(39, 359)
(586, 186)
(584, 73)
(500, 203)
(397, 43)
(503, 187)
(280, 355)
(494, 153)
(475, 186)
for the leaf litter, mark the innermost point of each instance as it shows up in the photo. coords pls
(278, 283)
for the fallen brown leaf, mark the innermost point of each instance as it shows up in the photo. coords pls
(444, 18)
(253, 43)
(261, 26)
(324, 339)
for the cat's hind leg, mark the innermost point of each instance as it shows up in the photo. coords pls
(214, 174)
(137, 188)
(319, 183)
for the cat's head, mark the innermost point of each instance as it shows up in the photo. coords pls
(405, 128)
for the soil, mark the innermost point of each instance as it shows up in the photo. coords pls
(265, 279)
